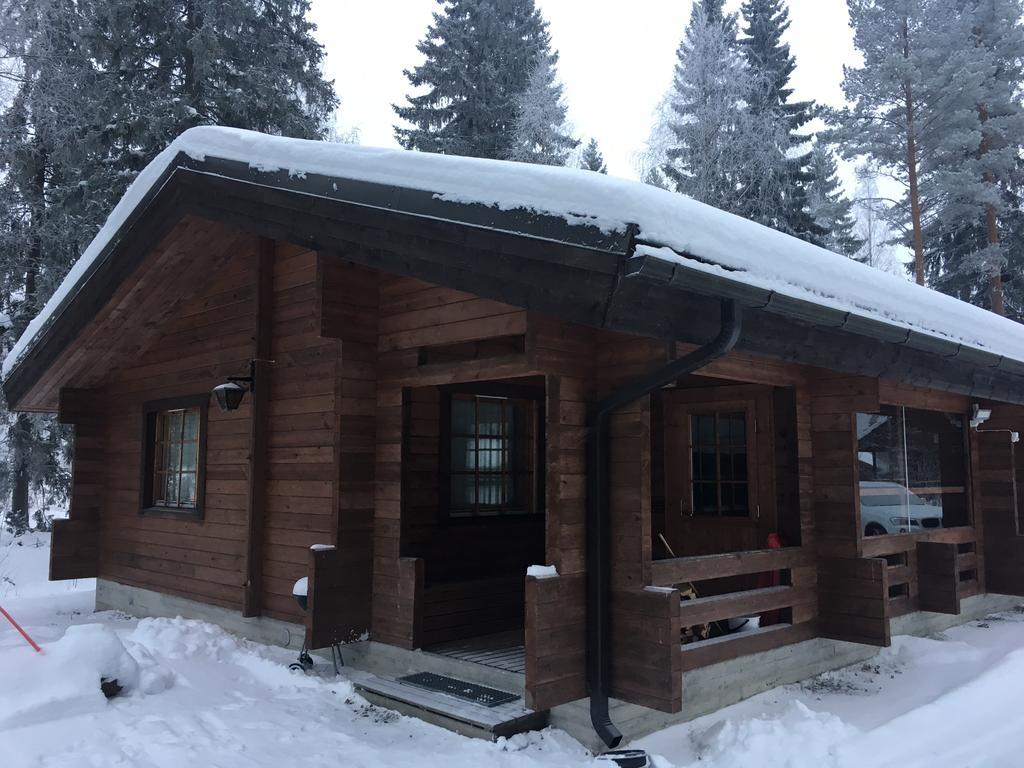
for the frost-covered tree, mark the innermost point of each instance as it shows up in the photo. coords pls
(479, 57)
(539, 133)
(889, 99)
(592, 159)
(828, 206)
(703, 134)
(775, 187)
(102, 87)
(975, 137)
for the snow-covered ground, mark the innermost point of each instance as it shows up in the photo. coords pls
(197, 696)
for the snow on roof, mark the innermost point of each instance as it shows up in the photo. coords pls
(672, 227)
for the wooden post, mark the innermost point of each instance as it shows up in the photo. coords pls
(257, 491)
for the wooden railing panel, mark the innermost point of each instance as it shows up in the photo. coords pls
(646, 655)
(853, 599)
(555, 640)
(938, 577)
(666, 573)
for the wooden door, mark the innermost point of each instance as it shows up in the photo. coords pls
(719, 469)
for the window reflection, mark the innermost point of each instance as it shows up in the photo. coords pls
(912, 470)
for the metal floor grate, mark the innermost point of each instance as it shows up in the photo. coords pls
(460, 689)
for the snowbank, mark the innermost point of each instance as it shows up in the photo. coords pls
(65, 679)
(672, 227)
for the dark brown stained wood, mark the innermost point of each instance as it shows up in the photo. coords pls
(259, 427)
(646, 655)
(714, 651)
(332, 615)
(854, 599)
(74, 545)
(208, 338)
(555, 639)
(665, 573)
(998, 475)
(938, 577)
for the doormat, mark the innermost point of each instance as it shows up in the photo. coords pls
(460, 689)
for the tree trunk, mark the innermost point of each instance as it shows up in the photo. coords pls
(991, 226)
(915, 197)
(19, 519)
(20, 432)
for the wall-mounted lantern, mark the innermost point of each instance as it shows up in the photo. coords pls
(231, 393)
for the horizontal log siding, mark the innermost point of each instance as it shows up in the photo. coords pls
(302, 432)
(555, 608)
(209, 337)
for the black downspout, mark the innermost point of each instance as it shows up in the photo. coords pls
(598, 539)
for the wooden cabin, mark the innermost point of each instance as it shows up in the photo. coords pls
(557, 450)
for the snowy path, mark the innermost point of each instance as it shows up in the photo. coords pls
(204, 698)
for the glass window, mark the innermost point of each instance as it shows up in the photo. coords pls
(718, 448)
(492, 456)
(174, 464)
(912, 467)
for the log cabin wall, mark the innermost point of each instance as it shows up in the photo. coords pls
(999, 498)
(209, 337)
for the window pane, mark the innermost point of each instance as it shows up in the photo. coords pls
(740, 501)
(739, 463)
(705, 499)
(187, 495)
(191, 430)
(706, 426)
(171, 489)
(491, 415)
(463, 453)
(189, 457)
(463, 491)
(463, 416)
(725, 462)
(175, 419)
(913, 470)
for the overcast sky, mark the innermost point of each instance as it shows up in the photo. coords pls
(616, 59)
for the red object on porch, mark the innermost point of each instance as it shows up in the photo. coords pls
(24, 634)
(771, 579)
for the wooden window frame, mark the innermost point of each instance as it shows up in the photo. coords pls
(150, 411)
(749, 409)
(536, 506)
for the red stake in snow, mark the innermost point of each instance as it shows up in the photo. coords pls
(17, 626)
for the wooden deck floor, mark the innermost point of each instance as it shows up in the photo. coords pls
(504, 650)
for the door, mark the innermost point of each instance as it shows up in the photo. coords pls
(719, 469)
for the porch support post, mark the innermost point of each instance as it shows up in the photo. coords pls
(259, 418)
(597, 521)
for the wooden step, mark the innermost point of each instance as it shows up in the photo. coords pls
(446, 711)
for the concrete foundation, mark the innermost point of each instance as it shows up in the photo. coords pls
(711, 688)
(145, 603)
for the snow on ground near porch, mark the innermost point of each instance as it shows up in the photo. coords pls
(201, 697)
(672, 226)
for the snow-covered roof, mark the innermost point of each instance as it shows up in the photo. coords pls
(672, 228)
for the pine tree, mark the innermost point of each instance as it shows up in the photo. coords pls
(975, 135)
(103, 87)
(479, 57)
(592, 159)
(829, 208)
(540, 134)
(889, 103)
(775, 191)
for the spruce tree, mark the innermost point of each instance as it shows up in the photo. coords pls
(704, 128)
(479, 57)
(540, 134)
(829, 208)
(592, 159)
(775, 191)
(103, 87)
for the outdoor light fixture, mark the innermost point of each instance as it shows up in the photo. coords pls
(979, 415)
(231, 393)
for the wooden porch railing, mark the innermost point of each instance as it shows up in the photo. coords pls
(799, 595)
